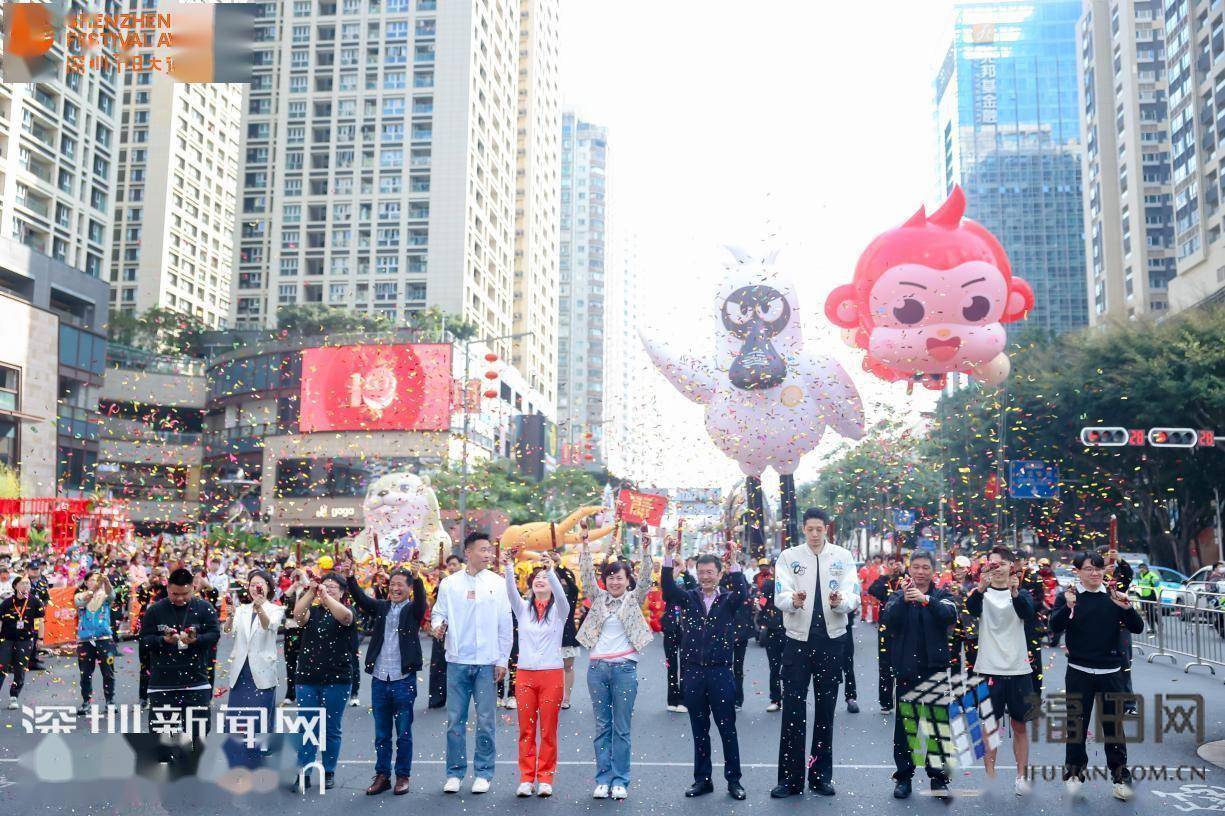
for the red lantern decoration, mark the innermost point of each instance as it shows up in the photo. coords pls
(587, 435)
(491, 357)
(490, 394)
(588, 457)
(491, 375)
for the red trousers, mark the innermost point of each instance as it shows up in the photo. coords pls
(539, 694)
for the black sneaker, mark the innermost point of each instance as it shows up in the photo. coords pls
(329, 779)
(940, 788)
(83, 709)
(852, 706)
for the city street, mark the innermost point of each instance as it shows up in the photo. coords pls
(662, 755)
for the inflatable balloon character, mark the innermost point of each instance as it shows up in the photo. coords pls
(402, 521)
(536, 536)
(768, 399)
(930, 297)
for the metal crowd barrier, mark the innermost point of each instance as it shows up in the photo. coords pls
(1182, 623)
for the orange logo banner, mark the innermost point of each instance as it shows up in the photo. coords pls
(60, 623)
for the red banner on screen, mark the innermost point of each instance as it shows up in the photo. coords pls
(636, 508)
(376, 388)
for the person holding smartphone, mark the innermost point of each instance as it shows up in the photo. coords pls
(95, 637)
(253, 674)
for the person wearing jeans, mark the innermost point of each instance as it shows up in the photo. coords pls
(473, 616)
(324, 668)
(393, 659)
(615, 633)
(541, 681)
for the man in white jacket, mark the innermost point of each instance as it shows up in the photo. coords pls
(816, 588)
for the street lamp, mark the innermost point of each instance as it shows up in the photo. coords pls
(463, 456)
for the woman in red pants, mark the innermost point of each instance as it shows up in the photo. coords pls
(540, 684)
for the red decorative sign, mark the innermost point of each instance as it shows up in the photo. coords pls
(386, 388)
(637, 508)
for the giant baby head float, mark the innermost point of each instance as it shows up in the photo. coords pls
(768, 399)
(930, 297)
(402, 521)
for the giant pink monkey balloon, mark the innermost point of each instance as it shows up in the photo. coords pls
(768, 399)
(930, 297)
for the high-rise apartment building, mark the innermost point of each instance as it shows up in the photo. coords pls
(1008, 131)
(378, 160)
(58, 159)
(1128, 190)
(580, 342)
(174, 205)
(625, 425)
(1195, 73)
(537, 187)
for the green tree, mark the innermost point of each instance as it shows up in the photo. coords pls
(317, 319)
(435, 323)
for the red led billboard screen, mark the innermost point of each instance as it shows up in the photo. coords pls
(376, 388)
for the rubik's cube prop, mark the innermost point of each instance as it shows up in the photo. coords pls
(949, 721)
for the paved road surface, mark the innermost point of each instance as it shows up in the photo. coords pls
(662, 751)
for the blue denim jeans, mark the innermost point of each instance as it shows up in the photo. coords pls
(467, 683)
(331, 698)
(393, 713)
(613, 687)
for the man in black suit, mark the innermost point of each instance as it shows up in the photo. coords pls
(708, 686)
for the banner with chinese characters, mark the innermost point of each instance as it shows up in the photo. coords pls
(637, 508)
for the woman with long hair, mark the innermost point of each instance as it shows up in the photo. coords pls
(615, 632)
(540, 682)
(95, 637)
(325, 666)
(253, 659)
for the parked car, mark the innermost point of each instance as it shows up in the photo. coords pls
(1171, 588)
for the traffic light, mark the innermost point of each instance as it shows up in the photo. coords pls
(1107, 437)
(1172, 437)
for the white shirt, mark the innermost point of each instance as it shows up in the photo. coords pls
(478, 618)
(613, 640)
(1001, 636)
(539, 640)
(219, 581)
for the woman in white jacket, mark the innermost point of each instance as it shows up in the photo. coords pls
(253, 660)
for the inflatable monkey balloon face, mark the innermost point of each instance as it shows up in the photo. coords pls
(755, 315)
(930, 297)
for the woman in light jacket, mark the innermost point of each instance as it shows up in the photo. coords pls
(615, 632)
(253, 660)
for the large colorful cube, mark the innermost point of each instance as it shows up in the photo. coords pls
(949, 721)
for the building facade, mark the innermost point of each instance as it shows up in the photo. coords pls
(378, 160)
(58, 162)
(1129, 219)
(581, 334)
(173, 242)
(1195, 70)
(537, 188)
(1008, 131)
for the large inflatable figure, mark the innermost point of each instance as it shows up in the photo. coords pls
(768, 399)
(930, 297)
(402, 521)
(539, 536)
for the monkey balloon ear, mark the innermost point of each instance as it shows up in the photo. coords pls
(842, 307)
(1020, 301)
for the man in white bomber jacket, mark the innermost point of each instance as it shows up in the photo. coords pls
(814, 575)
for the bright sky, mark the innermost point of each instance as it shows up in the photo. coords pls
(804, 126)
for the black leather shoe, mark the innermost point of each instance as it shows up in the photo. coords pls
(902, 789)
(783, 791)
(700, 789)
(821, 788)
(852, 706)
(736, 791)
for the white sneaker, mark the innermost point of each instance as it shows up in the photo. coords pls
(354, 702)
(544, 789)
(1022, 787)
(600, 792)
(510, 703)
(525, 789)
(773, 707)
(13, 704)
(452, 785)
(619, 792)
(1122, 791)
(680, 709)
(481, 785)
(1074, 787)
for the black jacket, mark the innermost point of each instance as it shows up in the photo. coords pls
(928, 622)
(407, 627)
(28, 611)
(1093, 630)
(671, 620)
(707, 639)
(170, 666)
